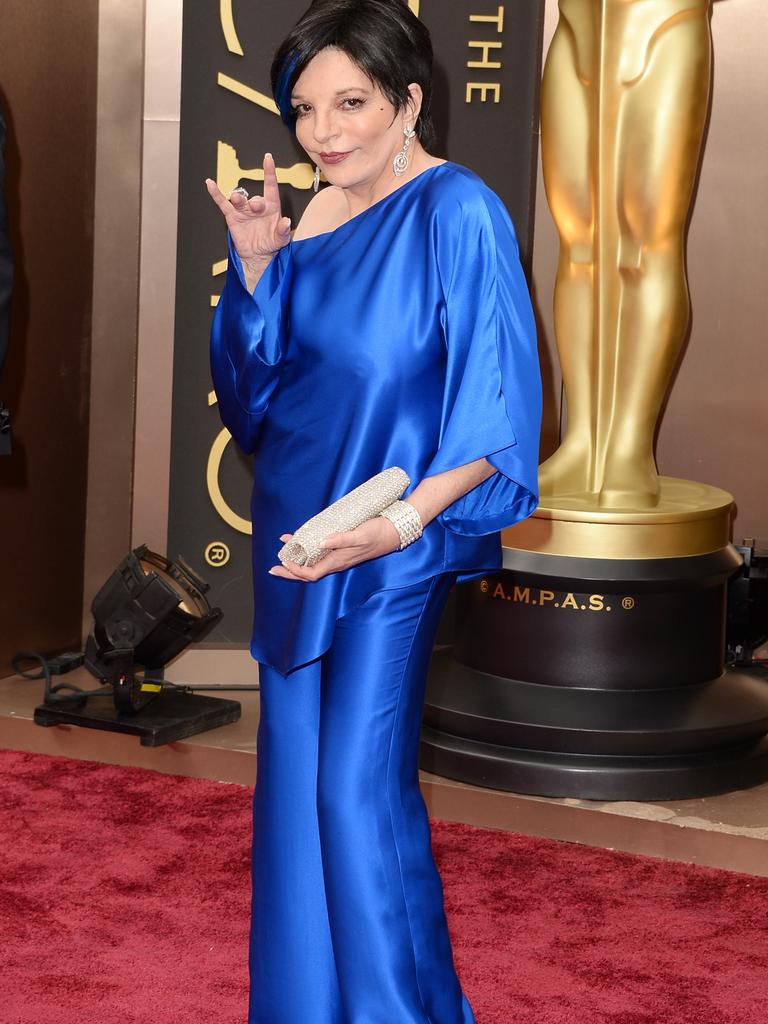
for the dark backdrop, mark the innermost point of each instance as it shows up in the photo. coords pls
(487, 120)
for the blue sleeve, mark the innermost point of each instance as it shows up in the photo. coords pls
(248, 341)
(493, 396)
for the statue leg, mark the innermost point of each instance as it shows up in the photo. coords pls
(567, 137)
(661, 123)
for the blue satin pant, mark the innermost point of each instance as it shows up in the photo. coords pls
(348, 924)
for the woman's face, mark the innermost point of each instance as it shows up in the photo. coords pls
(345, 123)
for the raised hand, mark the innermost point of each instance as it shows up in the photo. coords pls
(257, 225)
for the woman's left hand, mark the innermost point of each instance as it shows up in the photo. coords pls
(372, 538)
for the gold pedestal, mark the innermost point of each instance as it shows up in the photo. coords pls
(592, 664)
(689, 519)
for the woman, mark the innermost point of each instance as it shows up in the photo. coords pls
(393, 329)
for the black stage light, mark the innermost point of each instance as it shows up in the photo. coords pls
(747, 620)
(146, 613)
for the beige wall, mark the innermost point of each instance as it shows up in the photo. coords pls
(154, 365)
(714, 428)
(715, 425)
(111, 487)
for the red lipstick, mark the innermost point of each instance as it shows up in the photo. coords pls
(334, 158)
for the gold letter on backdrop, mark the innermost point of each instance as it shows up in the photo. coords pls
(228, 27)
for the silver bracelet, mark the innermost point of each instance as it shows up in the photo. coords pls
(406, 520)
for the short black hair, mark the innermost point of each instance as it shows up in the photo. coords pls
(384, 38)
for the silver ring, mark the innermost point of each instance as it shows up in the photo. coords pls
(240, 191)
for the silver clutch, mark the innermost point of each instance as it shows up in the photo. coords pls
(363, 502)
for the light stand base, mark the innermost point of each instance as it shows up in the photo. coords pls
(169, 717)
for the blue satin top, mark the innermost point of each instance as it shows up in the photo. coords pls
(404, 337)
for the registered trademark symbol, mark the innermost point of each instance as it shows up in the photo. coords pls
(217, 554)
(628, 602)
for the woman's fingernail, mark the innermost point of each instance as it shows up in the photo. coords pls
(271, 572)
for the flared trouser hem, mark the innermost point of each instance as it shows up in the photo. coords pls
(348, 922)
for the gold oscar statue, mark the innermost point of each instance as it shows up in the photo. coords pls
(592, 665)
(624, 103)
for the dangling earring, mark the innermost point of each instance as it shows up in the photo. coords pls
(400, 163)
(316, 183)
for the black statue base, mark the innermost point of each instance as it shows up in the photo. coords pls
(596, 679)
(167, 718)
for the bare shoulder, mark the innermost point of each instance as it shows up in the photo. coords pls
(326, 211)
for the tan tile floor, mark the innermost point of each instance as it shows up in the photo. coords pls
(728, 831)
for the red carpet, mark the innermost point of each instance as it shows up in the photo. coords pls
(124, 900)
